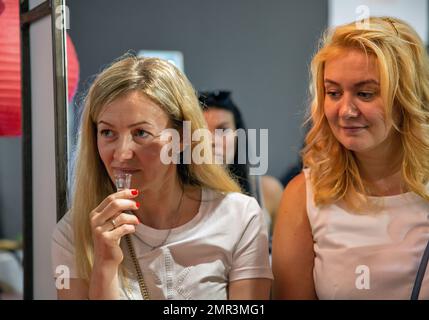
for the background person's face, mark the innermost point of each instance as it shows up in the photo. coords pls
(353, 104)
(125, 130)
(217, 118)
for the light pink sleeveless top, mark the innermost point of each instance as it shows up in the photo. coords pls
(371, 256)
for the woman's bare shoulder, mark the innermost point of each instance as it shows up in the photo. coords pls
(293, 203)
(296, 186)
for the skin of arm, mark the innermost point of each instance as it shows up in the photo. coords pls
(293, 253)
(78, 290)
(249, 289)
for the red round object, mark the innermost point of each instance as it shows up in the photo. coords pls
(72, 69)
(10, 69)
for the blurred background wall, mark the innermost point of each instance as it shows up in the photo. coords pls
(258, 49)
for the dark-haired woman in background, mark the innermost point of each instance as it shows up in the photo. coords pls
(222, 113)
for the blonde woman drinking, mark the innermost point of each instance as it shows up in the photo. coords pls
(181, 230)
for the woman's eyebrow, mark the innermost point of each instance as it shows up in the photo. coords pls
(359, 84)
(365, 82)
(130, 126)
(327, 81)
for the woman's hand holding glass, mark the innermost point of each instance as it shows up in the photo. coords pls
(110, 222)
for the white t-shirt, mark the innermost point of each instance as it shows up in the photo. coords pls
(369, 256)
(224, 242)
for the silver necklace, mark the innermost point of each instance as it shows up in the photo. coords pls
(169, 231)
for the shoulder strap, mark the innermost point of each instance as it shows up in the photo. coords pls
(420, 274)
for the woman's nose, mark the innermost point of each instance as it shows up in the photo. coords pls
(124, 149)
(348, 109)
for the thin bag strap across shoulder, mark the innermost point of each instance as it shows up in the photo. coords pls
(142, 285)
(420, 274)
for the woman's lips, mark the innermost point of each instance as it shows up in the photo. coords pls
(353, 129)
(125, 170)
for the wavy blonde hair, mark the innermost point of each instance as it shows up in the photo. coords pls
(172, 91)
(404, 79)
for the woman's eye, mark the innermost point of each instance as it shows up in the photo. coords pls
(333, 94)
(366, 95)
(106, 133)
(141, 133)
(221, 131)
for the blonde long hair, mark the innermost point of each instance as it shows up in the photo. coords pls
(171, 90)
(404, 76)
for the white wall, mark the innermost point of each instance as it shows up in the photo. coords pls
(415, 12)
(43, 149)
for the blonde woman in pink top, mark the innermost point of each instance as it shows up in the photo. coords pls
(355, 223)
